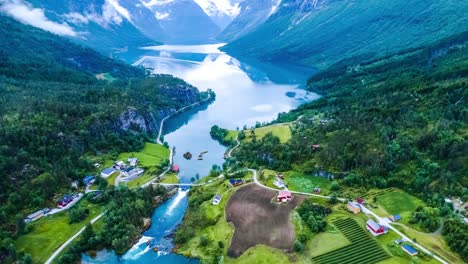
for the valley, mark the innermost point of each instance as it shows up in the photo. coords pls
(233, 131)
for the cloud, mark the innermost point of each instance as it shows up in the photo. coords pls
(27, 14)
(110, 15)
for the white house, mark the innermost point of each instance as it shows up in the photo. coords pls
(216, 200)
(133, 161)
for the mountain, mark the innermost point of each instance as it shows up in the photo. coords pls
(101, 24)
(252, 14)
(222, 12)
(184, 21)
(62, 108)
(320, 33)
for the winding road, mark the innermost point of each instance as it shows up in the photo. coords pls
(382, 220)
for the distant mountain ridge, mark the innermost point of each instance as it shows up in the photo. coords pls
(114, 25)
(321, 32)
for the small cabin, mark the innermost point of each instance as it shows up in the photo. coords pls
(353, 207)
(284, 196)
(133, 161)
(216, 200)
(410, 250)
(175, 168)
(88, 180)
(395, 218)
(236, 182)
(279, 183)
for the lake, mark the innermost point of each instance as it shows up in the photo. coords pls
(246, 93)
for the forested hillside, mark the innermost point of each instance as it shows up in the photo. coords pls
(399, 121)
(55, 116)
(320, 33)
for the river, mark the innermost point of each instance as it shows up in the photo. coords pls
(246, 93)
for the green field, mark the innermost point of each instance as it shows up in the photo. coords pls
(282, 131)
(260, 254)
(170, 178)
(363, 248)
(111, 179)
(52, 231)
(151, 155)
(399, 202)
(300, 182)
(231, 136)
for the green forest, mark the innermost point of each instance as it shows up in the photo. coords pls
(398, 121)
(55, 116)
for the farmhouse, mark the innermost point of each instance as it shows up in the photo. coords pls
(355, 208)
(410, 250)
(236, 182)
(216, 200)
(88, 180)
(120, 165)
(394, 218)
(133, 161)
(175, 168)
(284, 196)
(360, 200)
(279, 183)
(375, 229)
(67, 199)
(281, 176)
(107, 172)
(317, 190)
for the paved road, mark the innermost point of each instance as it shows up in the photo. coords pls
(58, 210)
(382, 220)
(64, 245)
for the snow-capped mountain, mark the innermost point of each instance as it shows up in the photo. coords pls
(184, 21)
(222, 12)
(105, 25)
(252, 14)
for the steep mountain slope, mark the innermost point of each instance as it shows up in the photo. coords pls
(57, 118)
(184, 21)
(319, 33)
(102, 24)
(222, 12)
(252, 14)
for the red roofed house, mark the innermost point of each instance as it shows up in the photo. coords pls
(284, 196)
(175, 168)
(374, 228)
(360, 200)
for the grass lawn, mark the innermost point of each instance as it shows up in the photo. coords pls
(260, 254)
(432, 242)
(151, 155)
(325, 242)
(398, 202)
(111, 179)
(232, 135)
(149, 174)
(170, 178)
(282, 131)
(306, 183)
(52, 231)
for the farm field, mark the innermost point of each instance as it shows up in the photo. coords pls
(232, 135)
(51, 231)
(399, 202)
(282, 131)
(260, 254)
(151, 155)
(363, 248)
(300, 182)
(266, 222)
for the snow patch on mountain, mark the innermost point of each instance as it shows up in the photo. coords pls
(157, 2)
(122, 11)
(219, 7)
